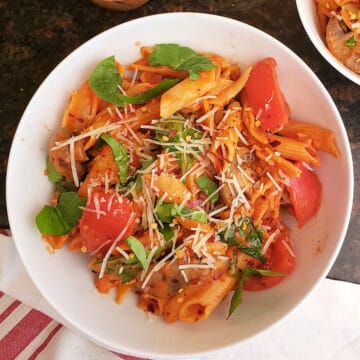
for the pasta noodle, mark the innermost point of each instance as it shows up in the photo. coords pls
(180, 190)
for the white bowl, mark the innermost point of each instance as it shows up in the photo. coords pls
(64, 279)
(309, 19)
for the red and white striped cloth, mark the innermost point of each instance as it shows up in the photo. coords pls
(327, 326)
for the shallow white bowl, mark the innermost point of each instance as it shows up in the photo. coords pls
(309, 19)
(64, 278)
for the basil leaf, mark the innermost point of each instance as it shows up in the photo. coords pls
(351, 42)
(166, 212)
(180, 58)
(147, 95)
(105, 81)
(207, 186)
(138, 249)
(53, 175)
(167, 232)
(61, 219)
(236, 299)
(197, 215)
(120, 156)
(252, 234)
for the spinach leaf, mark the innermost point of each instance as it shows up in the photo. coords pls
(105, 81)
(236, 299)
(61, 219)
(180, 58)
(53, 175)
(138, 249)
(207, 186)
(120, 156)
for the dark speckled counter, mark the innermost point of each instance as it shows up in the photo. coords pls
(37, 35)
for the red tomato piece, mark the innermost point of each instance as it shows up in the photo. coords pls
(264, 96)
(305, 194)
(103, 219)
(279, 259)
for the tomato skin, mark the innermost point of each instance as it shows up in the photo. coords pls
(305, 194)
(264, 96)
(279, 259)
(115, 213)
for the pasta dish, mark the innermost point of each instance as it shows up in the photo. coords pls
(171, 174)
(339, 20)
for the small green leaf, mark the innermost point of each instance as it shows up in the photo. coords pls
(138, 249)
(167, 231)
(120, 156)
(207, 186)
(105, 81)
(253, 237)
(61, 219)
(351, 42)
(166, 213)
(53, 175)
(236, 299)
(180, 58)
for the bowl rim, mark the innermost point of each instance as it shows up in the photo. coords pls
(317, 41)
(299, 302)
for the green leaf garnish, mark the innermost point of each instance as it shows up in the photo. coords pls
(167, 232)
(120, 156)
(105, 81)
(179, 133)
(351, 42)
(207, 186)
(61, 219)
(180, 58)
(166, 212)
(138, 249)
(147, 95)
(53, 175)
(236, 299)
(252, 235)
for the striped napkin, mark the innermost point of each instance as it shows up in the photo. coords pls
(326, 326)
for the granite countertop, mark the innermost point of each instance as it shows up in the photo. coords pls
(37, 34)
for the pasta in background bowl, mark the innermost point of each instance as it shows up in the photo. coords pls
(314, 29)
(123, 327)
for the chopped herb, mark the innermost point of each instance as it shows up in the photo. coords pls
(207, 186)
(120, 156)
(251, 234)
(138, 249)
(236, 299)
(167, 232)
(178, 133)
(61, 219)
(351, 42)
(180, 58)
